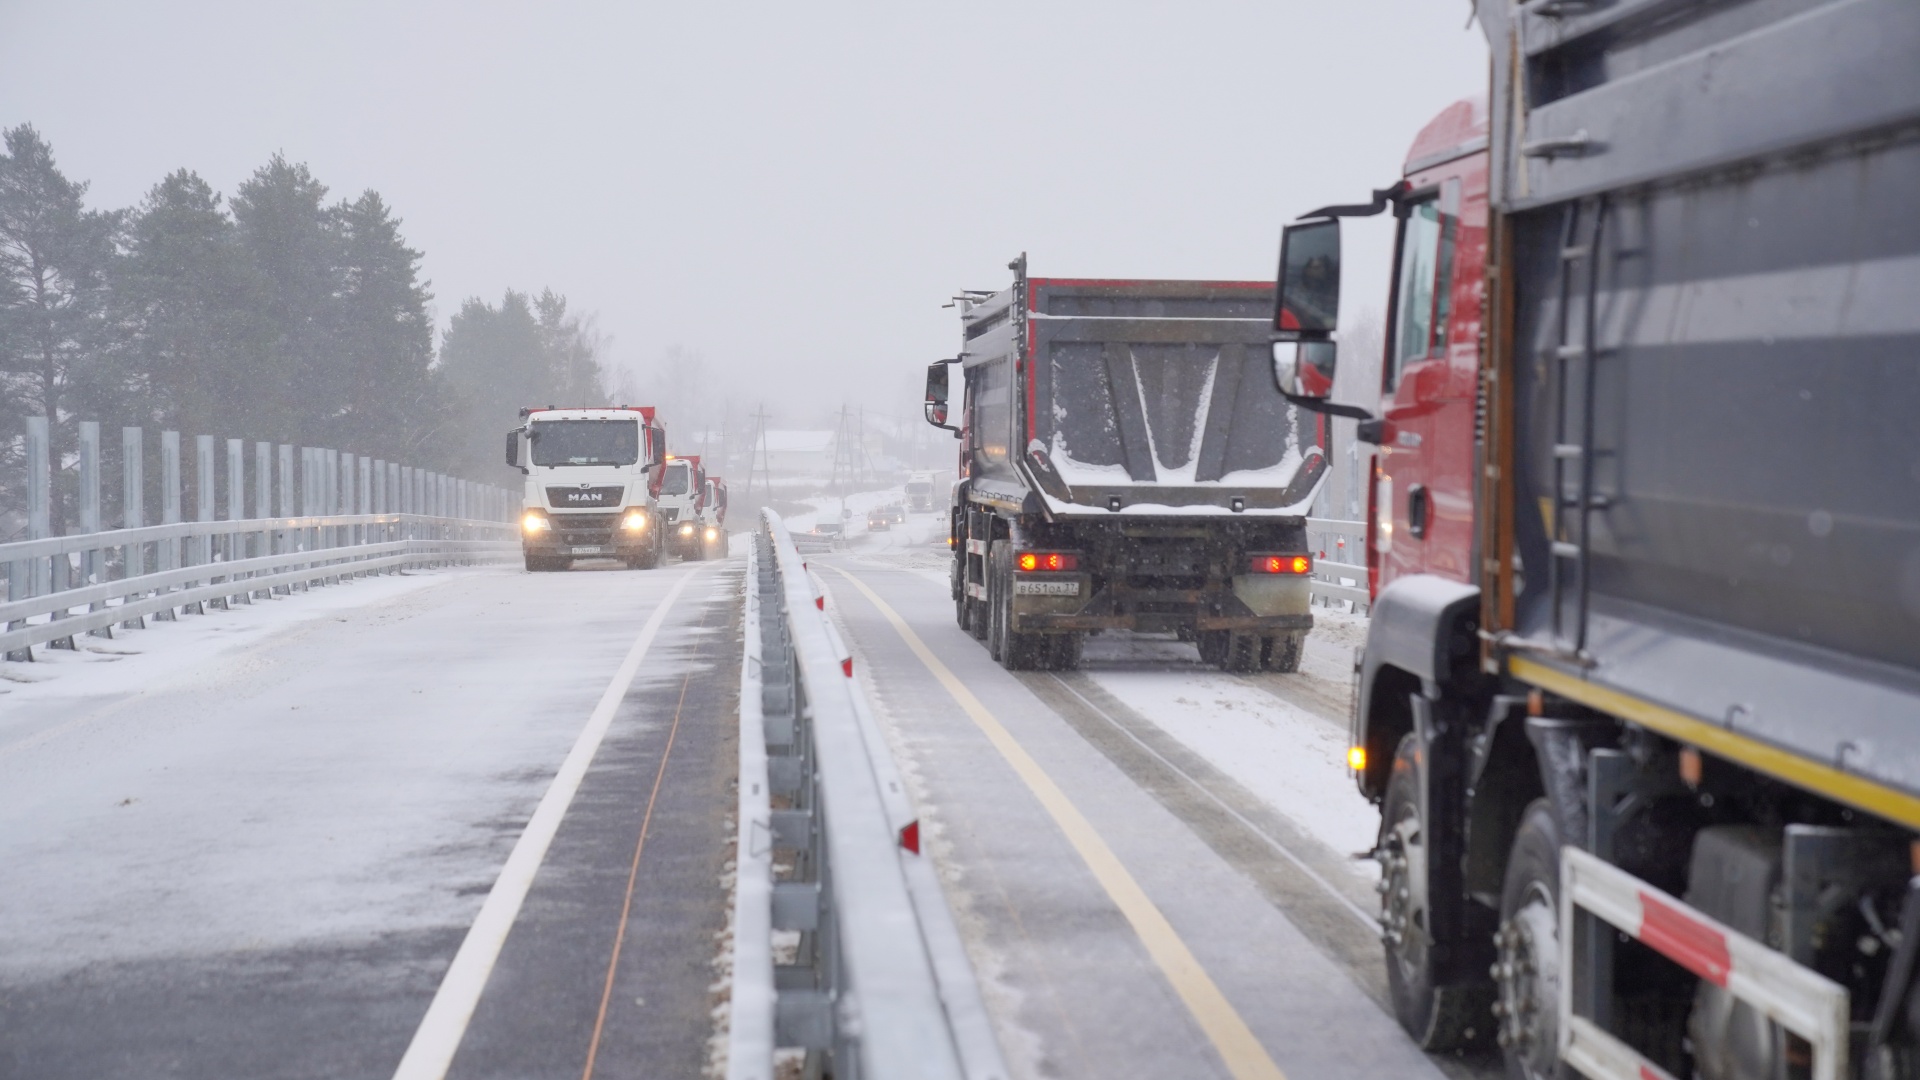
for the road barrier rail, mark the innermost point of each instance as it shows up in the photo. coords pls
(219, 562)
(843, 945)
(1329, 537)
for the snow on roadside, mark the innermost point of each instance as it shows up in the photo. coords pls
(1294, 762)
(169, 652)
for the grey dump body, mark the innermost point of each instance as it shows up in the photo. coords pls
(1716, 355)
(1151, 393)
(1134, 426)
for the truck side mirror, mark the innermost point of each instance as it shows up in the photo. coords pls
(513, 449)
(1307, 296)
(656, 447)
(1304, 369)
(936, 403)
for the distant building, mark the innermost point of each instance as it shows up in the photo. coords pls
(799, 453)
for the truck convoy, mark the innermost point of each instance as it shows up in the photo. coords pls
(1640, 700)
(683, 490)
(1126, 463)
(592, 485)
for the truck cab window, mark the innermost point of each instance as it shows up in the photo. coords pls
(585, 442)
(1425, 280)
(675, 480)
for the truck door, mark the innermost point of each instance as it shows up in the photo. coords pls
(1414, 473)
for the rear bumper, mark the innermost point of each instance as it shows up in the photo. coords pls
(1265, 624)
(1250, 603)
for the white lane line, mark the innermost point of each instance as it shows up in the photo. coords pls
(1372, 923)
(431, 1052)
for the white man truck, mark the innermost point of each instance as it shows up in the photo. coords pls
(920, 493)
(683, 502)
(713, 517)
(592, 485)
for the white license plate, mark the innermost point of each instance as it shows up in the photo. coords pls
(1046, 588)
(587, 551)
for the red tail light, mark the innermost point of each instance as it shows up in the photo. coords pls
(1047, 560)
(1283, 564)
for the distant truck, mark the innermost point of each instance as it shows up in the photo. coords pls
(1127, 463)
(592, 483)
(713, 517)
(920, 493)
(1640, 699)
(683, 490)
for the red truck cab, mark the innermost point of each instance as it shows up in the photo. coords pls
(1420, 506)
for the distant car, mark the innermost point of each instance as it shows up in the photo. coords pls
(896, 513)
(878, 520)
(827, 528)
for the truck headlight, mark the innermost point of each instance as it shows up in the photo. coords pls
(635, 522)
(686, 530)
(713, 534)
(534, 523)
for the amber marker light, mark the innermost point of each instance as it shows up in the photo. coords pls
(1283, 564)
(1047, 560)
(1357, 758)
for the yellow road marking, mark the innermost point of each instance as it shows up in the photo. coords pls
(1842, 786)
(1245, 1058)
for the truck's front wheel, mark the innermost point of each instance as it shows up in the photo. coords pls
(1437, 1017)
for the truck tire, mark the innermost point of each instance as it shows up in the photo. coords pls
(994, 629)
(1063, 652)
(1212, 645)
(1438, 1018)
(1243, 652)
(1283, 651)
(1528, 971)
(1016, 651)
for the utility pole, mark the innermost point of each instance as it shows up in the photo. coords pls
(757, 461)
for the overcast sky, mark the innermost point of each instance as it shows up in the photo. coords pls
(791, 191)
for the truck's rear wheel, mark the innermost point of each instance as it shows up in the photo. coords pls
(1243, 652)
(1063, 652)
(1016, 651)
(1528, 971)
(1212, 645)
(1437, 1017)
(1283, 651)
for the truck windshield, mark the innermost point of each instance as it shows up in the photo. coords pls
(919, 488)
(675, 482)
(585, 442)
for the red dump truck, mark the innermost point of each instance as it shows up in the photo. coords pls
(1640, 700)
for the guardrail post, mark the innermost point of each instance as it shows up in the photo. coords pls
(169, 549)
(39, 500)
(285, 541)
(263, 500)
(365, 506)
(133, 508)
(92, 560)
(203, 508)
(236, 543)
(348, 534)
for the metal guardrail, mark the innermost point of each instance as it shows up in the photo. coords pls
(1339, 551)
(220, 562)
(843, 945)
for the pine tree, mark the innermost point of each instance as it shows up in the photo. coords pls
(184, 297)
(285, 234)
(382, 334)
(55, 256)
